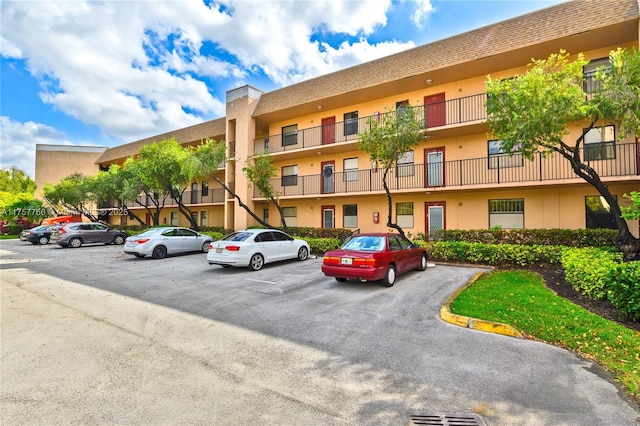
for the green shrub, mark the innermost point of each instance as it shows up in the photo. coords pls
(557, 237)
(624, 289)
(214, 234)
(491, 254)
(320, 246)
(588, 270)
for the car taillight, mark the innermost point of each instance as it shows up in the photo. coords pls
(62, 231)
(364, 262)
(142, 240)
(232, 248)
(331, 260)
(210, 246)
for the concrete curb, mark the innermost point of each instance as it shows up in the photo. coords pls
(473, 323)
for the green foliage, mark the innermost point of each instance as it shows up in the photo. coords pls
(74, 192)
(305, 232)
(624, 289)
(588, 270)
(31, 210)
(559, 237)
(16, 181)
(632, 212)
(492, 254)
(320, 246)
(259, 170)
(214, 234)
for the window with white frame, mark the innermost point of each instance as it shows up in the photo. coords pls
(506, 213)
(405, 164)
(290, 135)
(290, 175)
(290, 215)
(351, 123)
(590, 85)
(350, 216)
(404, 215)
(500, 158)
(204, 218)
(174, 219)
(350, 169)
(600, 143)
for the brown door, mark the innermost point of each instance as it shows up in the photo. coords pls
(327, 177)
(434, 110)
(328, 130)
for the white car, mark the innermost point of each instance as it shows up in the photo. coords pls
(159, 242)
(254, 248)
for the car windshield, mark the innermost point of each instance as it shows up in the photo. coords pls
(365, 243)
(148, 232)
(238, 236)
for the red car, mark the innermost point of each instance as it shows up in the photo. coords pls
(374, 257)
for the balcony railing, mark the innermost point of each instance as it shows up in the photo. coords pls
(439, 114)
(213, 196)
(484, 171)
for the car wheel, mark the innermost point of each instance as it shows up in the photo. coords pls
(118, 239)
(341, 280)
(205, 247)
(139, 255)
(43, 241)
(423, 262)
(303, 253)
(257, 262)
(390, 277)
(75, 242)
(159, 252)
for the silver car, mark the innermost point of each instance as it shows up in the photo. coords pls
(79, 233)
(159, 242)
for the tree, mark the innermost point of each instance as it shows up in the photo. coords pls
(207, 158)
(530, 114)
(389, 136)
(15, 187)
(259, 170)
(632, 212)
(117, 184)
(72, 193)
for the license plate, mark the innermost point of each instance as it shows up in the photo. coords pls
(218, 249)
(346, 261)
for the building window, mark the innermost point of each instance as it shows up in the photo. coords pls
(590, 85)
(265, 215)
(500, 159)
(507, 213)
(204, 218)
(205, 188)
(350, 169)
(600, 143)
(405, 164)
(194, 217)
(598, 213)
(290, 175)
(290, 215)
(194, 193)
(351, 123)
(290, 135)
(350, 215)
(174, 218)
(401, 105)
(404, 215)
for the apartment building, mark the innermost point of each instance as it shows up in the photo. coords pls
(456, 178)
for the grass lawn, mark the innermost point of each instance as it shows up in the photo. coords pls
(520, 299)
(8, 237)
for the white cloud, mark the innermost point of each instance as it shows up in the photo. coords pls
(135, 69)
(422, 10)
(19, 141)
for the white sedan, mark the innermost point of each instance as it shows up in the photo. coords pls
(254, 248)
(158, 242)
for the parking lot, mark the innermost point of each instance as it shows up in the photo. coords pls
(94, 336)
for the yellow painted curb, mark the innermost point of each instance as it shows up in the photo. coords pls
(473, 323)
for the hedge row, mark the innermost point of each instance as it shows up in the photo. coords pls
(550, 237)
(602, 274)
(492, 254)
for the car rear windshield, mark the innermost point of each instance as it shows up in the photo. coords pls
(365, 244)
(238, 236)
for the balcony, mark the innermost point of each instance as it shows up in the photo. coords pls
(440, 114)
(213, 196)
(459, 174)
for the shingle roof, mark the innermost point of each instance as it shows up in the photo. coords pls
(209, 129)
(558, 21)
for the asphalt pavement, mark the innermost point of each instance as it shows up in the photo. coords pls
(93, 336)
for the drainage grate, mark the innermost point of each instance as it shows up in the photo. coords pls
(450, 419)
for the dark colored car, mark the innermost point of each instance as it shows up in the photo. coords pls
(38, 235)
(374, 257)
(76, 234)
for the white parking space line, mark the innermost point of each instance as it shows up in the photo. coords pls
(260, 281)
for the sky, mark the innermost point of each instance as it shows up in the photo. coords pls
(104, 73)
